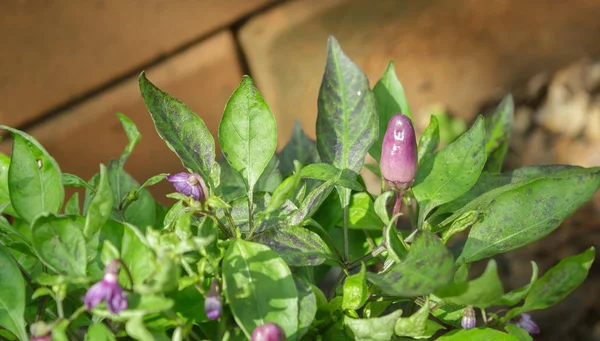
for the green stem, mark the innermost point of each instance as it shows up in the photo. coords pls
(127, 272)
(250, 210)
(221, 226)
(375, 253)
(59, 306)
(345, 193)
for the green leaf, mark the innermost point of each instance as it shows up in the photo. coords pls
(75, 181)
(99, 332)
(60, 244)
(183, 131)
(559, 282)
(373, 329)
(136, 329)
(247, 132)
(307, 306)
(283, 192)
(429, 140)
(259, 287)
(153, 180)
(189, 303)
(347, 114)
(481, 292)
(324, 172)
(427, 267)
(133, 136)
(4, 194)
(34, 180)
(142, 212)
(270, 178)
(232, 184)
(498, 129)
(381, 206)
(362, 213)
(520, 333)
(136, 255)
(397, 248)
(98, 212)
(299, 148)
(450, 172)
(355, 290)
(515, 296)
(12, 296)
(477, 334)
(448, 313)
(528, 213)
(297, 246)
(263, 222)
(312, 202)
(72, 206)
(418, 325)
(391, 100)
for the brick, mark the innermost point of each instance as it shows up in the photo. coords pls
(203, 77)
(458, 53)
(54, 51)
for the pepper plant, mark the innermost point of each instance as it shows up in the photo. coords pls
(290, 245)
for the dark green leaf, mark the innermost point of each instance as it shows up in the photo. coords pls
(189, 303)
(448, 313)
(259, 287)
(297, 246)
(427, 267)
(300, 147)
(373, 329)
(60, 244)
(99, 332)
(312, 202)
(481, 292)
(391, 100)
(528, 213)
(12, 296)
(347, 123)
(355, 290)
(184, 132)
(264, 222)
(559, 282)
(98, 212)
(307, 306)
(270, 178)
(498, 129)
(325, 172)
(133, 135)
(477, 334)
(515, 296)
(362, 213)
(429, 140)
(34, 178)
(247, 132)
(72, 206)
(452, 171)
(418, 325)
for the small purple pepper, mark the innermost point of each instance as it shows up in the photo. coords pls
(190, 184)
(399, 153)
(526, 322)
(268, 332)
(108, 289)
(468, 320)
(212, 301)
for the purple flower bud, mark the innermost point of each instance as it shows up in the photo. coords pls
(268, 332)
(468, 320)
(526, 322)
(108, 289)
(399, 153)
(212, 301)
(190, 184)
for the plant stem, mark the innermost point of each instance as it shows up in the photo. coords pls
(127, 272)
(345, 196)
(375, 253)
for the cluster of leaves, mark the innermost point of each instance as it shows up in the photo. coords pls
(274, 227)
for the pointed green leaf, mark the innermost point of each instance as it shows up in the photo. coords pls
(75, 181)
(307, 306)
(397, 248)
(12, 296)
(312, 202)
(381, 206)
(98, 212)
(528, 213)
(133, 136)
(72, 206)
(477, 334)
(4, 195)
(324, 172)
(362, 213)
(520, 333)
(559, 282)
(283, 192)
(373, 329)
(452, 171)
(60, 244)
(347, 123)
(300, 147)
(418, 325)
(34, 178)
(247, 132)
(427, 267)
(499, 129)
(183, 131)
(515, 296)
(259, 287)
(99, 332)
(391, 100)
(481, 292)
(429, 140)
(355, 290)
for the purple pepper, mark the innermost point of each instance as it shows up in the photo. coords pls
(398, 162)
(212, 301)
(268, 332)
(468, 320)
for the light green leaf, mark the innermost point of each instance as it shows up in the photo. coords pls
(520, 333)
(418, 325)
(4, 195)
(362, 213)
(283, 192)
(12, 296)
(429, 140)
(499, 129)
(72, 205)
(391, 100)
(183, 131)
(325, 172)
(34, 178)
(299, 148)
(477, 334)
(373, 329)
(347, 122)
(452, 171)
(307, 306)
(98, 213)
(381, 206)
(259, 287)
(75, 181)
(248, 132)
(99, 332)
(133, 135)
(515, 296)
(312, 202)
(355, 290)
(481, 292)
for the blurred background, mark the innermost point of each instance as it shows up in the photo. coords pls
(67, 67)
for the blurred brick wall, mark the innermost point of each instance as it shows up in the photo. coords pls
(66, 67)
